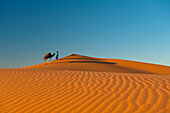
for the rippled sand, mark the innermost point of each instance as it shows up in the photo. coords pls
(79, 84)
(65, 91)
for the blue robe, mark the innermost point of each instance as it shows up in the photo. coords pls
(56, 56)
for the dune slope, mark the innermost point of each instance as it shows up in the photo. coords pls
(62, 91)
(83, 63)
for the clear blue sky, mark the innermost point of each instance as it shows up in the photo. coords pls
(123, 29)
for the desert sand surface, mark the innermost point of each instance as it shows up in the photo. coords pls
(80, 84)
(76, 62)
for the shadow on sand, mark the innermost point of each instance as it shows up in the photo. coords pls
(77, 58)
(89, 62)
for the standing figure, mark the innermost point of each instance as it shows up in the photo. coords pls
(48, 56)
(56, 56)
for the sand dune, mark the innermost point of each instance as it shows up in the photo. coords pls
(83, 63)
(83, 89)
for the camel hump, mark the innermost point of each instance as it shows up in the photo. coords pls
(48, 54)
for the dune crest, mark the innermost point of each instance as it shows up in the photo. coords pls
(76, 62)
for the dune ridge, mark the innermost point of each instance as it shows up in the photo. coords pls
(76, 62)
(63, 91)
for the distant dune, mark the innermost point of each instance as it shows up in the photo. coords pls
(83, 63)
(81, 84)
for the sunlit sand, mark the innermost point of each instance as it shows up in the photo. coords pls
(76, 84)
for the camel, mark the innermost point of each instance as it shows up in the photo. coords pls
(48, 56)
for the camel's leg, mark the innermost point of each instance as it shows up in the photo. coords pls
(49, 60)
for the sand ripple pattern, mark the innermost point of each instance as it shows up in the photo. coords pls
(52, 91)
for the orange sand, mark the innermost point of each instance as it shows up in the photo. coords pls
(83, 63)
(76, 84)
